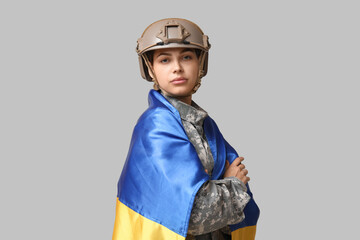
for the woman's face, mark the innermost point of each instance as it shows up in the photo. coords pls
(176, 70)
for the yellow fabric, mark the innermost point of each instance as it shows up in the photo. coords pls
(129, 225)
(246, 233)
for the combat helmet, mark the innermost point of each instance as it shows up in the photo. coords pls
(172, 33)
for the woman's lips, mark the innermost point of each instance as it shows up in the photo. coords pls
(179, 80)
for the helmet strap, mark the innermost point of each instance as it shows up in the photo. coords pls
(149, 66)
(201, 71)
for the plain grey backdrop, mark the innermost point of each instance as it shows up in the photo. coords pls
(283, 86)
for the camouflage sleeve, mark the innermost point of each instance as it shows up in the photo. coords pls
(217, 204)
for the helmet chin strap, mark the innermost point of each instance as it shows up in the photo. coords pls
(152, 75)
(198, 81)
(201, 72)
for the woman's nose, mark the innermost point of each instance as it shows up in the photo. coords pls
(177, 66)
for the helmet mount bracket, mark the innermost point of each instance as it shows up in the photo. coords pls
(173, 32)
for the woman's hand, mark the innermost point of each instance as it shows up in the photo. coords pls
(236, 169)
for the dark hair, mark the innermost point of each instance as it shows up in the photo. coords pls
(150, 54)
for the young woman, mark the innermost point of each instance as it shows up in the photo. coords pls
(181, 179)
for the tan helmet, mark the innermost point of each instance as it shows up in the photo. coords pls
(172, 33)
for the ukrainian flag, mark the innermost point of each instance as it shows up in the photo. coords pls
(162, 175)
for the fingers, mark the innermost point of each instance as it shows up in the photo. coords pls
(237, 161)
(245, 180)
(236, 169)
(244, 171)
(242, 174)
(241, 167)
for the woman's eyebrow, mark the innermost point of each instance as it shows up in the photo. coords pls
(186, 50)
(163, 53)
(168, 54)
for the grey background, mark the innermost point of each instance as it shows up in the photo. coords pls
(282, 86)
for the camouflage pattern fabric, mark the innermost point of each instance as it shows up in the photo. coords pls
(218, 203)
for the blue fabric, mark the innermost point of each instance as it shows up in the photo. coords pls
(162, 172)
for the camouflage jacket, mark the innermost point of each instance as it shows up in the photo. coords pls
(218, 203)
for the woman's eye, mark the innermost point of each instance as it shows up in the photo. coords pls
(164, 60)
(187, 57)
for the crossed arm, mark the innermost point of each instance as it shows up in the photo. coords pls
(219, 203)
